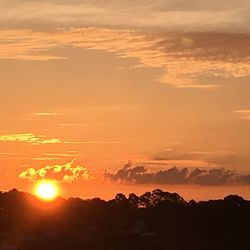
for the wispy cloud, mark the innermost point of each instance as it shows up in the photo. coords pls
(243, 113)
(29, 138)
(39, 157)
(198, 176)
(8, 154)
(220, 157)
(92, 142)
(191, 162)
(33, 139)
(67, 154)
(68, 173)
(73, 124)
(185, 58)
(45, 114)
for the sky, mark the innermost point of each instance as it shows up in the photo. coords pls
(126, 96)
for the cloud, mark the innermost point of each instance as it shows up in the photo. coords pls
(243, 114)
(29, 138)
(32, 139)
(173, 175)
(157, 161)
(92, 142)
(41, 158)
(8, 154)
(220, 157)
(48, 156)
(67, 154)
(68, 173)
(184, 58)
(46, 114)
(73, 124)
(194, 15)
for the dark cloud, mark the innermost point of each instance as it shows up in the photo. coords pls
(245, 179)
(209, 46)
(174, 175)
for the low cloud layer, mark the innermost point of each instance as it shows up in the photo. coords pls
(173, 175)
(68, 173)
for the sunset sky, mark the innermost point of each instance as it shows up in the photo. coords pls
(126, 96)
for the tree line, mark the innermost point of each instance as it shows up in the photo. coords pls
(154, 220)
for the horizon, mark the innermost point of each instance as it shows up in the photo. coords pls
(61, 197)
(61, 194)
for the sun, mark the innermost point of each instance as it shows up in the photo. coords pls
(47, 190)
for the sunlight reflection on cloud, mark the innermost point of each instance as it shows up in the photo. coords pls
(68, 173)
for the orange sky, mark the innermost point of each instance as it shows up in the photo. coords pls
(157, 83)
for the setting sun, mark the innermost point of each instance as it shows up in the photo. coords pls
(46, 190)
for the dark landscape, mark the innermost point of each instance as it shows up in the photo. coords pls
(152, 221)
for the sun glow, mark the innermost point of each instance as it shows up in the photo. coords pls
(47, 190)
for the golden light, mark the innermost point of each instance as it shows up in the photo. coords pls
(47, 190)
